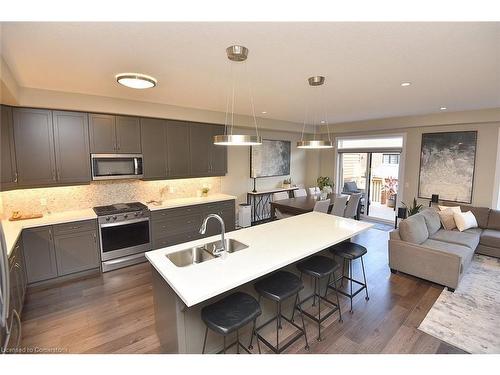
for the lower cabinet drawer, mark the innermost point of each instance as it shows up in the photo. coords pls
(179, 224)
(77, 226)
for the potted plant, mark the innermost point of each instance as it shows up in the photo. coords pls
(390, 188)
(287, 183)
(414, 208)
(323, 181)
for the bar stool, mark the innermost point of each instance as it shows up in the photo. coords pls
(278, 287)
(319, 267)
(350, 251)
(229, 315)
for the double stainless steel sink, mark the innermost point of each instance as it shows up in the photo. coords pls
(202, 253)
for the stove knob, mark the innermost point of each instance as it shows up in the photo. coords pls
(136, 214)
(139, 213)
(114, 217)
(125, 216)
(108, 218)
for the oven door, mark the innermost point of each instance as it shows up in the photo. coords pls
(116, 166)
(125, 238)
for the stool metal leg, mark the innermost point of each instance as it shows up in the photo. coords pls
(364, 278)
(350, 281)
(316, 281)
(314, 297)
(303, 324)
(278, 326)
(336, 295)
(205, 341)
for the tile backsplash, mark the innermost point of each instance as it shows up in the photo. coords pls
(100, 193)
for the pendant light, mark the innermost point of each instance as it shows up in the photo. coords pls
(315, 81)
(237, 54)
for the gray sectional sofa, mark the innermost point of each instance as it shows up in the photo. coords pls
(421, 247)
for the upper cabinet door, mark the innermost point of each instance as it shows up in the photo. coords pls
(218, 153)
(8, 172)
(102, 134)
(34, 142)
(200, 139)
(128, 135)
(154, 148)
(71, 138)
(178, 158)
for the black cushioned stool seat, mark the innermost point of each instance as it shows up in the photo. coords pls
(278, 287)
(230, 314)
(319, 267)
(350, 251)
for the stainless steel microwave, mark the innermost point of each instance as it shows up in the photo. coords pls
(116, 166)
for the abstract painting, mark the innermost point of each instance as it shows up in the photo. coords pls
(271, 158)
(447, 163)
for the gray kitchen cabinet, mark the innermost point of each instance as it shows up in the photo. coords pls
(34, 144)
(200, 141)
(102, 133)
(8, 172)
(39, 254)
(128, 135)
(218, 154)
(178, 150)
(177, 225)
(154, 148)
(17, 277)
(76, 252)
(71, 139)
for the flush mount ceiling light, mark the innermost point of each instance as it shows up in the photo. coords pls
(136, 80)
(406, 84)
(443, 108)
(237, 54)
(315, 81)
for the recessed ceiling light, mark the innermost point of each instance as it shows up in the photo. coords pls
(264, 112)
(322, 121)
(405, 84)
(136, 80)
(443, 108)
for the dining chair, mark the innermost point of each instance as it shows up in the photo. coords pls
(299, 193)
(314, 190)
(322, 206)
(339, 205)
(351, 210)
(279, 196)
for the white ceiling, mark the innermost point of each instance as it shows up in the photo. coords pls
(456, 65)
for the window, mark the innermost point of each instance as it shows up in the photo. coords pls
(390, 159)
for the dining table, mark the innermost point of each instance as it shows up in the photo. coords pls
(299, 205)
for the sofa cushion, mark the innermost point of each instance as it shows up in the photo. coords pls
(490, 238)
(432, 220)
(481, 214)
(455, 237)
(494, 220)
(447, 219)
(465, 253)
(477, 231)
(413, 229)
(453, 208)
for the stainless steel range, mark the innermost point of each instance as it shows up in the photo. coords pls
(124, 231)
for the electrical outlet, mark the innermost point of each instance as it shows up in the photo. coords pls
(43, 201)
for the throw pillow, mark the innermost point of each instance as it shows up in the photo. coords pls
(453, 208)
(447, 219)
(465, 220)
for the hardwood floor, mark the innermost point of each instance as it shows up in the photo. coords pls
(113, 313)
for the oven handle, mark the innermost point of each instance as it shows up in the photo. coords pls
(136, 166)
(124, 222)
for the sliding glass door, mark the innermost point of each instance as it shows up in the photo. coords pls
(371, 167)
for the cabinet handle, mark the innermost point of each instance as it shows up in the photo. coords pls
(50, 234)
(76, 227)
(15, 177)
(95, 238)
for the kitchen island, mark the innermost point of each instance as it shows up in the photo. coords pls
(181, 292)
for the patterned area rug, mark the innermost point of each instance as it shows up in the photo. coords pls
(470, 318)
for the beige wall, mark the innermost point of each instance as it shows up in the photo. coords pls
(238, 181)
(487, 124)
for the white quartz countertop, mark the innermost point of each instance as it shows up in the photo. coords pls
(181, 202)
(12, 229)
(271, 246)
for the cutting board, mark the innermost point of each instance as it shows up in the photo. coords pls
(26, 217)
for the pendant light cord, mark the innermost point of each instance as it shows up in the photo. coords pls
(251, 101)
